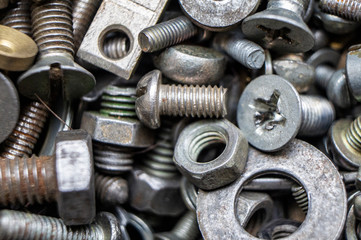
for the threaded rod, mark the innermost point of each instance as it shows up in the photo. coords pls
(111, 190)
(353, 134)
(19, 17)
(348, 9)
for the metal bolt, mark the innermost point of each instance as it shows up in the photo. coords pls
(155, 99)
(167, 33)
(271, 113)
(300, 195)
(19, 17)
(55, 69)
(345, 143)
(111, 190)
(83, 14)
(349, 9)
(24, 137)
(281, 26)
(116, 47)
(32, 226)
(248, 53)
(185, 229)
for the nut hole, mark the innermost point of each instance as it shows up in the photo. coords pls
(115, 44)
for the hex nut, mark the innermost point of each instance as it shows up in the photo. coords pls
(225, 168)
(126, 132)
(192, 65)
(160, 196)
(75, 177)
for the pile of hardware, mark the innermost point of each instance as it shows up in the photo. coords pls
(180, 119)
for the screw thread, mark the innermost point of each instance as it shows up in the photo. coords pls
(27, 180)
(353, 134)
(348, 9)
(118, 102)
(159, 161)
(26, 226)
(167, 33)
(111, 190)
(116, 47)
(317, 116)
(52, 24)
(187, 227)
(200, 101)
(283, 231)
(248, 53)
(297, 6)
(300, 196)
(112, 160)
(19, 17)
(22, 140)
(83, 13)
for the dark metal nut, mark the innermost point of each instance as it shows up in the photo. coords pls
(225, 168)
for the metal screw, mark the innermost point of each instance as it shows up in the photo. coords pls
(19, 17)
(283, 231)
(248, 53)
(116, 47)
(32, 226)
(55, 69)
(83, 14)
(111, 190)
(281, 26)
(22, 140)
(185, 229)
(155, 99)
(300, 195)
(348, 9)
(271, 113)
(166, 34)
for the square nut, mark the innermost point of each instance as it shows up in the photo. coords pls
(124, 18)
(75, 177)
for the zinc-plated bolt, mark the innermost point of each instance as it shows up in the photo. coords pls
(300, 195)
(111, 190)
(281, 26)
(185, 229)
(18, 225)
(22, 140)
(271, 113)
(167, 33)
(19, 17)
(55, 68)
(83, 14)
(155, 99)
(248, 53)
(345, 143)
(348, 9)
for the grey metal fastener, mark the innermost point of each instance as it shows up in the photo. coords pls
(111, 190)
(353, 72)
(349, 9)
(55, 69)
(246, 52)
(217, 210)
(281, 27)
(67, 177)
(19, 17)
(271, 113)
(155, 99)
(32, 226)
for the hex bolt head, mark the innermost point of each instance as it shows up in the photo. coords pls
(280, 27)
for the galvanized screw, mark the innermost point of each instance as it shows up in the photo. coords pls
(167, 33)
(83, 14)
(348, 9)
(32, 226)
(55, 69)
(248, 53)
(185, 229)
(155, 99)
(19, 17)
(111, 190)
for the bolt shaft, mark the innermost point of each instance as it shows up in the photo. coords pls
(167, 33)
(19, 17)
(323, 74)
(300, 195)
(22, 140)
(317, 116)
(353, 134)
(200, 101)
(187, 227)
(52, 25)
(111, 190)
(297, 6)
(116, 47)
(83, 13)
(118, 102)
(348, 9)
(27, 180)
(17, 225)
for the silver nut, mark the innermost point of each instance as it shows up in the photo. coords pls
(126, 132)
(160, 196)
(225, 168)
(75, 177)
